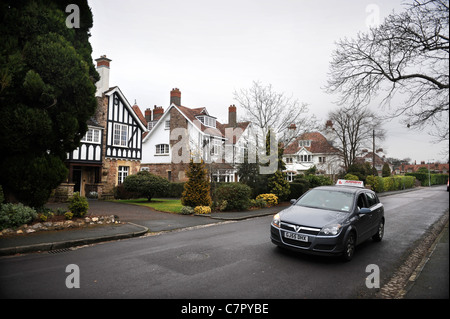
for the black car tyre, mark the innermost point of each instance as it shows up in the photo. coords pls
(349, 247)
(380, 232)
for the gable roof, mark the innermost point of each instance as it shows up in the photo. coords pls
(319, 144)
(116, 89)
(191, 115)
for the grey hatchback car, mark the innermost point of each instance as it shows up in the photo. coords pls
(330, 220)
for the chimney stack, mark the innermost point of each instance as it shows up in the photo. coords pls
(175, 97)
(158, 111)
(232, 115)
(148, 115)
(103, 70)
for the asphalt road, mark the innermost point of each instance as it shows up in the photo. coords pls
(223, 260)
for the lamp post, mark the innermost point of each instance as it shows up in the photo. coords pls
(429, 173)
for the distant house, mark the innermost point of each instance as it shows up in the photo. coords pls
(437, 168)
(308, 150)
(112, 147)
(380, 160)
(180, 134)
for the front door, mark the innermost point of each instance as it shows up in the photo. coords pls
(76, 179)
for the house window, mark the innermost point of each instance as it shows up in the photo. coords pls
(167, 125)
(120, 136)
(289, 160)
(216, 145)
(304, 143)
(123, 172)
(321, 159)
(162, 149)
(92, 136)
(305, 158)
(145, 169)
(290, 176)
(207, 121)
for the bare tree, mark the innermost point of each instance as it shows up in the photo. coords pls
(353, 129)
(267, 109)
(407, 54)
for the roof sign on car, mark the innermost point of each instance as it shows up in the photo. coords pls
(344, 182)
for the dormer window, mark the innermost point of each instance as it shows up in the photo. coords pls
(305, 143)
(207, 120)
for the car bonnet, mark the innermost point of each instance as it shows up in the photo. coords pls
(314, 217)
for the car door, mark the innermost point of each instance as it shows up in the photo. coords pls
(362, 221)
(377, 211)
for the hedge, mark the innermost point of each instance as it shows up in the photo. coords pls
(383, 184)
(424, 178)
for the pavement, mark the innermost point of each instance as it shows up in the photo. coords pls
(430, 282)
(135, 221)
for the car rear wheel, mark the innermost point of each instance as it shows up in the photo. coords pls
(349, 247)
(380, 232)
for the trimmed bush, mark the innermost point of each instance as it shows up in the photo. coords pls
(187, 210)
(202, 210)
(258, 203)
(78, 205)
(15, 215)
(270, 199)
(351, 177)
(236, 195)
(146, 184)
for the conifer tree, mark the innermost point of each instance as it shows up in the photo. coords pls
(197, 189)
(47, 94)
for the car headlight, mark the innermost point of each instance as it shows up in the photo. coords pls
(276, 220)
(331, 230)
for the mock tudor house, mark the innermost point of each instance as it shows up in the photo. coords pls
(180, 134)
(308, 150)
(112, 147)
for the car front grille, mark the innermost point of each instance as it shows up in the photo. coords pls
(301, 229)
(296, 243)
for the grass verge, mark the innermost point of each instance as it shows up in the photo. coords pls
(160, 204)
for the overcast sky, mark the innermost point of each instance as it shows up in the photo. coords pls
(208, 49)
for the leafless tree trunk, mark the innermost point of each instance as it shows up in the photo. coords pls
(267, 109)
(353, 130)
(407, 54)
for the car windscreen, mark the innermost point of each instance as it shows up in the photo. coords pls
(327, 199)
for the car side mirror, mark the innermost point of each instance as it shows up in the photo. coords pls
(293, 201)
(364, 210)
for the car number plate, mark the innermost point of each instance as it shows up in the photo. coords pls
(296, 236)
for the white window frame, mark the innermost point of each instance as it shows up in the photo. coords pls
(120, 135)
(207, 120)
(305, 158)
(290, 176)
(305, 143)
(123, 172)
(162, 149)
(216, 146)
(92, 136)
